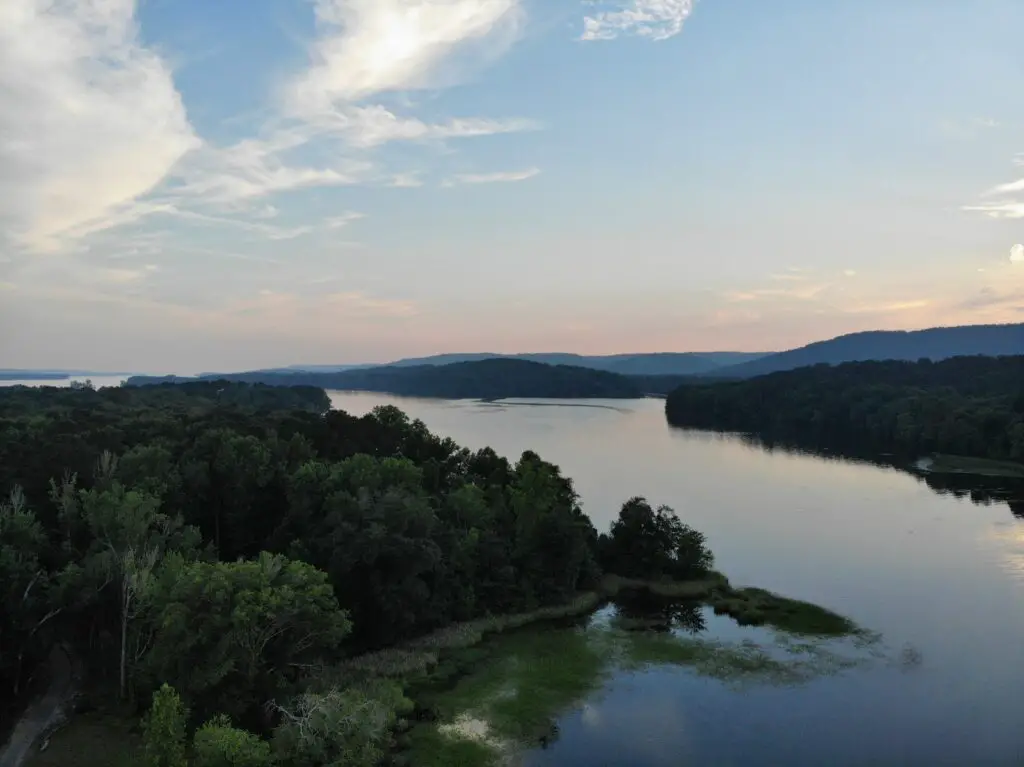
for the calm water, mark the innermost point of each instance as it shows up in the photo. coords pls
(933, 572)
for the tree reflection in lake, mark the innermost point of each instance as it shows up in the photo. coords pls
(980, 489)
(640, 611)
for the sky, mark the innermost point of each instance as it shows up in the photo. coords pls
(189, 185)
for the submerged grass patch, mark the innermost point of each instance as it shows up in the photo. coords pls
(431, 747)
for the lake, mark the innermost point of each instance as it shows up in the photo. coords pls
(939, 576)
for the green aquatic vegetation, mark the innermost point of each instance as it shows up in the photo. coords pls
(757, 607)
(738, 663)
(528, 679)
(961, 464)
(430, 747)
(514, 687)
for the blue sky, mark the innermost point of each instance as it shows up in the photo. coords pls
(191, 185)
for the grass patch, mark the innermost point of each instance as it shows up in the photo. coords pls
(961, 464)
(430, 748)
(757, 607)
(93, 740)
(417, 657)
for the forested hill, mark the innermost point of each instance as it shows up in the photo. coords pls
(965, 405)
(484, 379)
(933, 343)
(653, 364)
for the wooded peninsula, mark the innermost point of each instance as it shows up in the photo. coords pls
(260, 577)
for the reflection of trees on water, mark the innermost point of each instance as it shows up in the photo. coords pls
(644, 612)
(981, 490)
(984, 491)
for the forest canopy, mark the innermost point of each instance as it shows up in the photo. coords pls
(216, 548)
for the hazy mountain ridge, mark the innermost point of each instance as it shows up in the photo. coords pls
(904, 345)
(653, 363)
(495, 378)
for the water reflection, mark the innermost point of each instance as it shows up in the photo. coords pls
(980, 490)
(645, 612)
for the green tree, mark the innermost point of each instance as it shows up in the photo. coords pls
(25, 588)
(339, 728)
(653, 543)
(218, 744)
(231, 635)
(128, 536)
(164, 730)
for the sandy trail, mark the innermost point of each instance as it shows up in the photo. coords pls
(43, 714)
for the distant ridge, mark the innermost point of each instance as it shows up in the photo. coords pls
(495, 378)
(874, 345)
(655, 363)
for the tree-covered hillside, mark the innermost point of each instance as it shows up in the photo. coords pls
(965, 405)
(934, 344)
(484, 379)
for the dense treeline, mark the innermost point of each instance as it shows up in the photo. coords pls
(219, 544)
(964, 405)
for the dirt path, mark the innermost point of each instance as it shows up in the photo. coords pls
(43, 714)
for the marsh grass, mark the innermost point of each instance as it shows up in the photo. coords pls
(757, 607)
(985, 467)
(433, 749)
(416, 658)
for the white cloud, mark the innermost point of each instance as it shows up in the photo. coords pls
(1000, 209)
(370, 126)
(363, 48)
(90, 119)
(492, 178)
(653, 19)
(344, 219)
(1017, 254)
(368, 47)
(1008, 188)
(406, 181)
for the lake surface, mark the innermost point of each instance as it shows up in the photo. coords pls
(939, 576)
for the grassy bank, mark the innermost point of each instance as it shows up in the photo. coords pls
(482, 704)
(960, 464)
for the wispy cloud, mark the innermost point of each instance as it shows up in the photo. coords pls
(406, 181)
(90, 117)
(888, 308)
(1017, 254)
(1011, 198)
(367, 47)
(653, 19)
(505, 177)
(96, 137)
(999, 209)
(802, 292)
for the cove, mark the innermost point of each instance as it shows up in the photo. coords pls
(570, 692)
